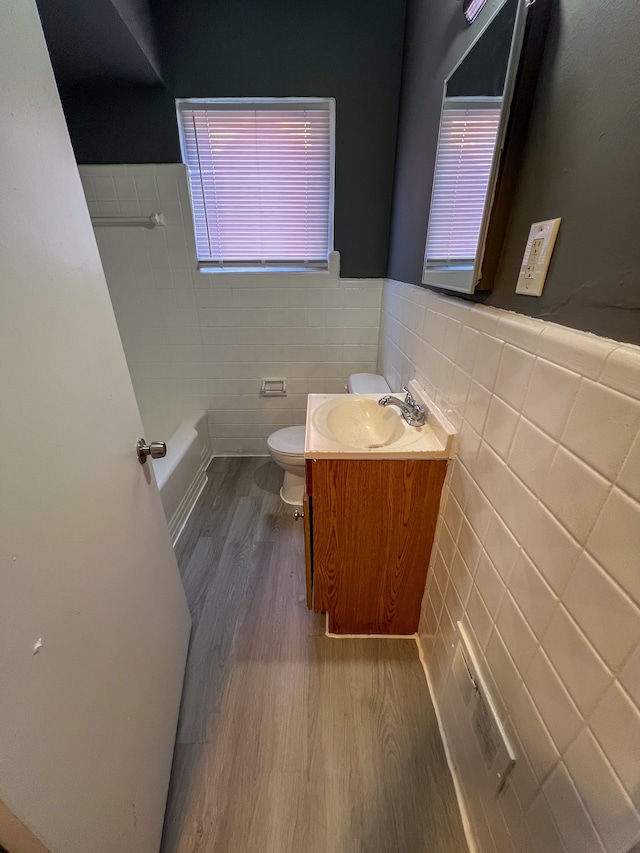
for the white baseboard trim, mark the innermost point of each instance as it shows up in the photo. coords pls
(464, 813)
(240, 455)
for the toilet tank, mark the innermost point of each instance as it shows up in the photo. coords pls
(367, 383)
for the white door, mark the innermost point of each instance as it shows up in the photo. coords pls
(93, 620)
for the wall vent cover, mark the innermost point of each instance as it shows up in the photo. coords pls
(482, 717)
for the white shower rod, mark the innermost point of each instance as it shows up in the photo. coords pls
(128, 221)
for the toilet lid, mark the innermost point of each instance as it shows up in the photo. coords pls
(288, 441)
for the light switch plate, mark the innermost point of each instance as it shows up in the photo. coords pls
(537, 255)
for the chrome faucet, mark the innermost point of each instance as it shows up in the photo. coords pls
(412, 412)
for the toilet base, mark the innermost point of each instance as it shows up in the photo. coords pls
(292, 491)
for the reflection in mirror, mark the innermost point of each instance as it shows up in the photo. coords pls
(472, 8)
(468, 133)
(473, 121)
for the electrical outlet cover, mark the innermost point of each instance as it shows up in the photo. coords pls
(537, 255)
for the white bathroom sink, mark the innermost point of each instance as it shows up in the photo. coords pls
(359, 422)
(355, 426)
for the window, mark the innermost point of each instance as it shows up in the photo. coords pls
(261, 181)
(468, 133)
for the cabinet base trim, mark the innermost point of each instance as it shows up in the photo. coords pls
(333, 636)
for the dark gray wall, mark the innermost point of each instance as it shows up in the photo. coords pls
(120, 123)
(100, 40)
(580, 161)
(351, 51)
(138, 17)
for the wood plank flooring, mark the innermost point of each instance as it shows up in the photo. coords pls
(290, 741)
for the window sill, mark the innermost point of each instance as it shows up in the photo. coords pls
(331, 268)
(207, 270)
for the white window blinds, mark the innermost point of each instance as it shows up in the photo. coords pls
(261, 178)
(466, 149)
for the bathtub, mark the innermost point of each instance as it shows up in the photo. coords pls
(181, 475)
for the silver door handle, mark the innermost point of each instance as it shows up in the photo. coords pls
(297, 514)
(156, 450)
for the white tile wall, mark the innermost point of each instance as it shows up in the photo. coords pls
(205, 341)
(539, 537)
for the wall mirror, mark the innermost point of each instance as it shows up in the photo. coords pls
(473, 122)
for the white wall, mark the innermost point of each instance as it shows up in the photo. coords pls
(205, 341)
(538, 552)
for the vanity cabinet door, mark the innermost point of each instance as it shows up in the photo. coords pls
(373, 528)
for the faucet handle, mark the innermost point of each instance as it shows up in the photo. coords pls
(409, 398)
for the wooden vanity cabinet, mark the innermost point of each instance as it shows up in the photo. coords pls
(369, 528)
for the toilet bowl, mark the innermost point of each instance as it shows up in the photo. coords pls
(286, 446)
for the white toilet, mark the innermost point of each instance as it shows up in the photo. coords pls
(286, 446)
